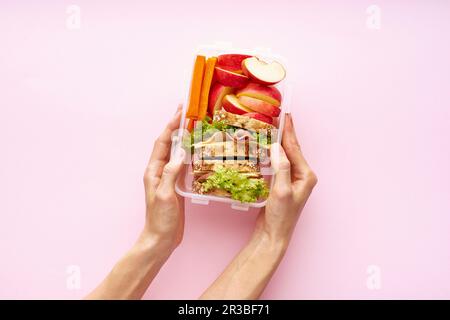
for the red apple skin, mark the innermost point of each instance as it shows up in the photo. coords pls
(259, 116)
(251, 75)
(229, 78)
(260, 106)
(268, 94)
(216, 94)
(231, 104)
(234, 70)
(232, 62)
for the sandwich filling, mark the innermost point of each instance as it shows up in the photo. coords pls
(227, 181)
(227, 154)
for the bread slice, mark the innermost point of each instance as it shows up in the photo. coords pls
(210, 165)
(230, 150)
(241, 121)
(197, 188)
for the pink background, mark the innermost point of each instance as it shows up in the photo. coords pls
(80, 110)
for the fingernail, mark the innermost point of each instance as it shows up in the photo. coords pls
(290, 120)
(180, 107)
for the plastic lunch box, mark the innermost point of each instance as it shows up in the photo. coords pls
(184, 182)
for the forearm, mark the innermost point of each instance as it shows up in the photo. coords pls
(131, 276)
(250, 271)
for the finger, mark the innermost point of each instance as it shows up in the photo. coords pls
(179, 108)
(171, 171)
(281, 166)
(293, 149)
(161, 149)
(162, 145)
(160, 153)
(182, 173)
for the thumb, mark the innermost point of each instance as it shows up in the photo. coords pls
(281, 166)
(171, 170)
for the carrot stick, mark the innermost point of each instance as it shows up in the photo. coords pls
(196, 86)
(206, 85)
(191, 125)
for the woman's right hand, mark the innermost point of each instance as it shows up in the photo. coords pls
(294, 182)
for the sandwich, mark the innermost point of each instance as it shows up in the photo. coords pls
(227, 160)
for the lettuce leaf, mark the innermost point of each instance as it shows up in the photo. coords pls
(238, 185)
(207, 129)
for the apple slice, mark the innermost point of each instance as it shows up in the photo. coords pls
(263, 72)
(231, 104)
(259, 116)
(216, 95)
(231, 62)
(258, 91)
(260, 106)
(234, 70)
(230, 79)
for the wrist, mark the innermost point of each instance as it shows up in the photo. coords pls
(272, 244)
(155, 244)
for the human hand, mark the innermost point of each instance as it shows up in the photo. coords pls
(164, 208)
(164, 224)
(249, 272)
(294, 182)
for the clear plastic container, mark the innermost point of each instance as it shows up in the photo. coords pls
(184, 183)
